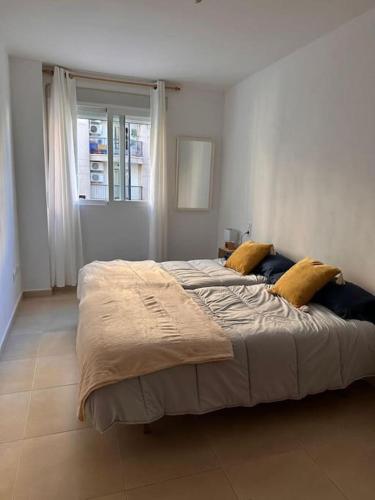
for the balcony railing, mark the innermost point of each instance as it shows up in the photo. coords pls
(99, 192)
(136, 193)
(136, 148)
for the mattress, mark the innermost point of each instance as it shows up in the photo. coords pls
(280, 353)
(201, 273)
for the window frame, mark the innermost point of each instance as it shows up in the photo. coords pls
(139, 114)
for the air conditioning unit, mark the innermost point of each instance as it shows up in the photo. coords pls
(97, 166)
(96, 128)
(97, 178)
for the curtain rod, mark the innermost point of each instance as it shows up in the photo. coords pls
(82, 76)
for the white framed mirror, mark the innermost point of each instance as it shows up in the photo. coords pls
(195, 157)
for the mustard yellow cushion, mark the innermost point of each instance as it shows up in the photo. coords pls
(247, 256)
(301, 282)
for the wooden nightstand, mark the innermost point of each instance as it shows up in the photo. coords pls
(224, 252)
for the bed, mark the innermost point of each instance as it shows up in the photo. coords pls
(279, 353)
(189, 274)
(202, 273)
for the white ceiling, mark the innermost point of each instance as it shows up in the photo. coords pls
(216, 42)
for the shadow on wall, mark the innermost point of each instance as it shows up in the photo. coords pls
(264, 149)
(7, 204)
(10, 287)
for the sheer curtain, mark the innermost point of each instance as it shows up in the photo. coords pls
(158, 202)
(64, 227)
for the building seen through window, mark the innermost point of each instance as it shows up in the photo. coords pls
(129, 153)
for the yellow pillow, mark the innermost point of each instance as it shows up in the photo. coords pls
(247, 256)
(301, 282)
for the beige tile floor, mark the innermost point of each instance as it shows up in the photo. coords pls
(320, 448)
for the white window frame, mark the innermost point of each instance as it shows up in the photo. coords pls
(139, 114)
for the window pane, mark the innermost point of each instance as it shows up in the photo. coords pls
(130, 150)
(138, 159)
(118, 160)
(92, 147)
(131, 142)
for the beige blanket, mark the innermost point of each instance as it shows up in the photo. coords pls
(134, 320)
(121, 273)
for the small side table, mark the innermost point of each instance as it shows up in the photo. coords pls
(224, 252)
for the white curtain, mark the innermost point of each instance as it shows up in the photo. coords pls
(158, 200)
(64, 226)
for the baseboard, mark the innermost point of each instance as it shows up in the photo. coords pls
(10, 322)
(48, 292)
(37, 293)
(64, 289)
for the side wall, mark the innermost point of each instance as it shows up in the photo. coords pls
(27, 115)
(299, 152)
(10, 279)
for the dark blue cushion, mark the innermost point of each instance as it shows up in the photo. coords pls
(271, 280)
(348, 301)
(273, 265)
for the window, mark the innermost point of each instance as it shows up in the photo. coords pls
(113, 152)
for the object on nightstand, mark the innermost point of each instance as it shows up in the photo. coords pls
(225, 252)
(231, 236)
(229, 245)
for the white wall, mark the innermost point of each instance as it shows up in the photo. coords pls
(117, 230)
(120, 230)
(299, 152)
(27, 115)
(198, 113)
(10, 282)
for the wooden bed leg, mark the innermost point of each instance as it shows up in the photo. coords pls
(147, 429)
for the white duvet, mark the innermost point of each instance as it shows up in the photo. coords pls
(280, 353)
(201, 273)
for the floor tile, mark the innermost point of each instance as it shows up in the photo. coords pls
(34, 306)
(37, 323)
(237, 436)
(204, 486)
(53, 410)
(21, 347)
(286, 476)
(9, 458)
(351, 465)
(52, 371)
(174, 448)
(115, 496)
(71, 465)
(57, 343)
(343, 419)
(64, 318)
(16, 376)
(13, 414)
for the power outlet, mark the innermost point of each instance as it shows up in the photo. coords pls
(16, 270)
(248, 232)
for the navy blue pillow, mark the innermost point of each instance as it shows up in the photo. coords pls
(271, 280)
(348, 301)
(273, 265)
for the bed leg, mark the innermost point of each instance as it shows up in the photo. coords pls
(147, 429)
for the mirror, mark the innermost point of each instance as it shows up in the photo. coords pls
(194, 173)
